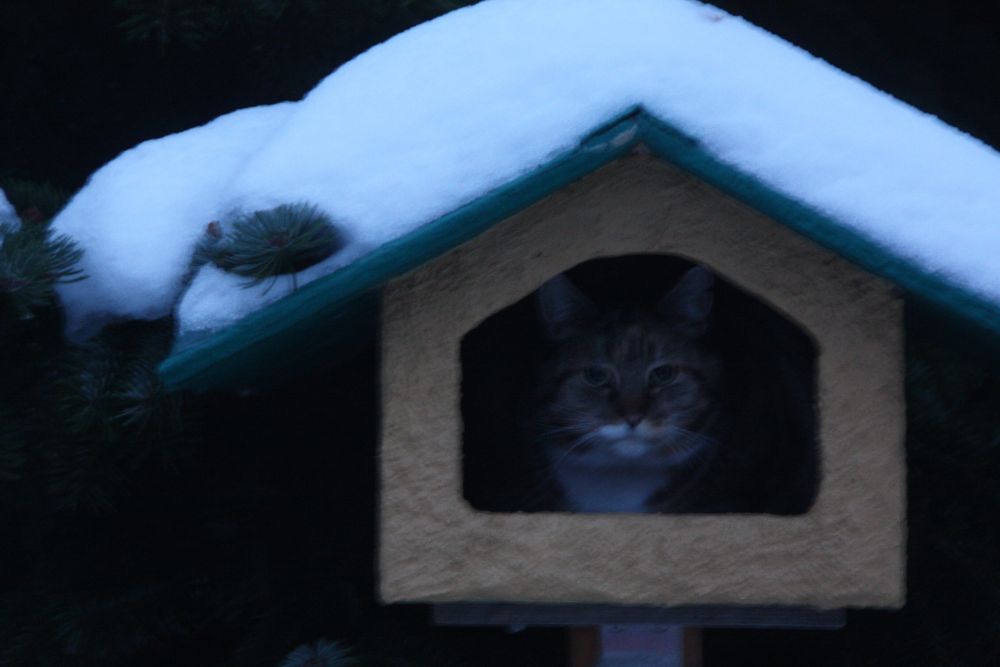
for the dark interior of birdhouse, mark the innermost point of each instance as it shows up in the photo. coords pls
(639, 384)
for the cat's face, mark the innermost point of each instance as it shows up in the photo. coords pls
(629, 393)
(632, 391)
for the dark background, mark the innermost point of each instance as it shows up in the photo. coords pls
(263, 539)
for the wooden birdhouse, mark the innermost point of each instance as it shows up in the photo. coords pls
(636, 189)
(807, 300)
(846, 548)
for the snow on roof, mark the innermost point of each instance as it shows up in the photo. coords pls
(444, 113)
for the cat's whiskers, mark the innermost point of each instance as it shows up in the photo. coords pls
(586, 439)
(573, 428)
(549, 469)
(691, 442)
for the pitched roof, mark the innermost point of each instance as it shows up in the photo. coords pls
(333, 314)
(441, 131)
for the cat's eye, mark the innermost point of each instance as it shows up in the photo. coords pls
(597, 376)
(662, 375)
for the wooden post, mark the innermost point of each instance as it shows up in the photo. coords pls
(602, 635)
(692, 647)
(623, 645)
(584, 646)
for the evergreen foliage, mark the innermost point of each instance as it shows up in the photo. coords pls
(190, 22)
(321, 654)
(149, 528)
(32, 262)
(265, 244)
(32, 259)
(115, 419)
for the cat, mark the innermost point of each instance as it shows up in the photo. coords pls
(536, 422)
(629, 411)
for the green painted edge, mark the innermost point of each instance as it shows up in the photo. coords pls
(336, 313)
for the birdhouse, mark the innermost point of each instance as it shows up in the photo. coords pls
(635, 195)
(486, 184)
(845, 546)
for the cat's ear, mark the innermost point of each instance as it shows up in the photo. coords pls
(686, 308)
(562, 308)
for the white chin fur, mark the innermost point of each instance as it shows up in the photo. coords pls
(631, 449)
(613, 431)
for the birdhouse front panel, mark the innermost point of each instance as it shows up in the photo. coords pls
(846, 548)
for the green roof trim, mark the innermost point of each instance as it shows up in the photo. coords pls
(335, 314)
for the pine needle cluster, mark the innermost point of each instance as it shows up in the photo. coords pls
(116, 419)
(189, 22)
(266, 244)
(33, 260)
(319, 654)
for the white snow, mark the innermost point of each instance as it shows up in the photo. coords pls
(8, 216)
(444, 113)
(139, 217)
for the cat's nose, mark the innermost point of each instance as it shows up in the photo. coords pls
(633, 420)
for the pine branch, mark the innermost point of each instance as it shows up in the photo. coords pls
(188, 22)
(322, 653)
(265, 244)
(116, 418)
(32, 263)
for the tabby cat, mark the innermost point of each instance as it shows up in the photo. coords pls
(629, 414)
